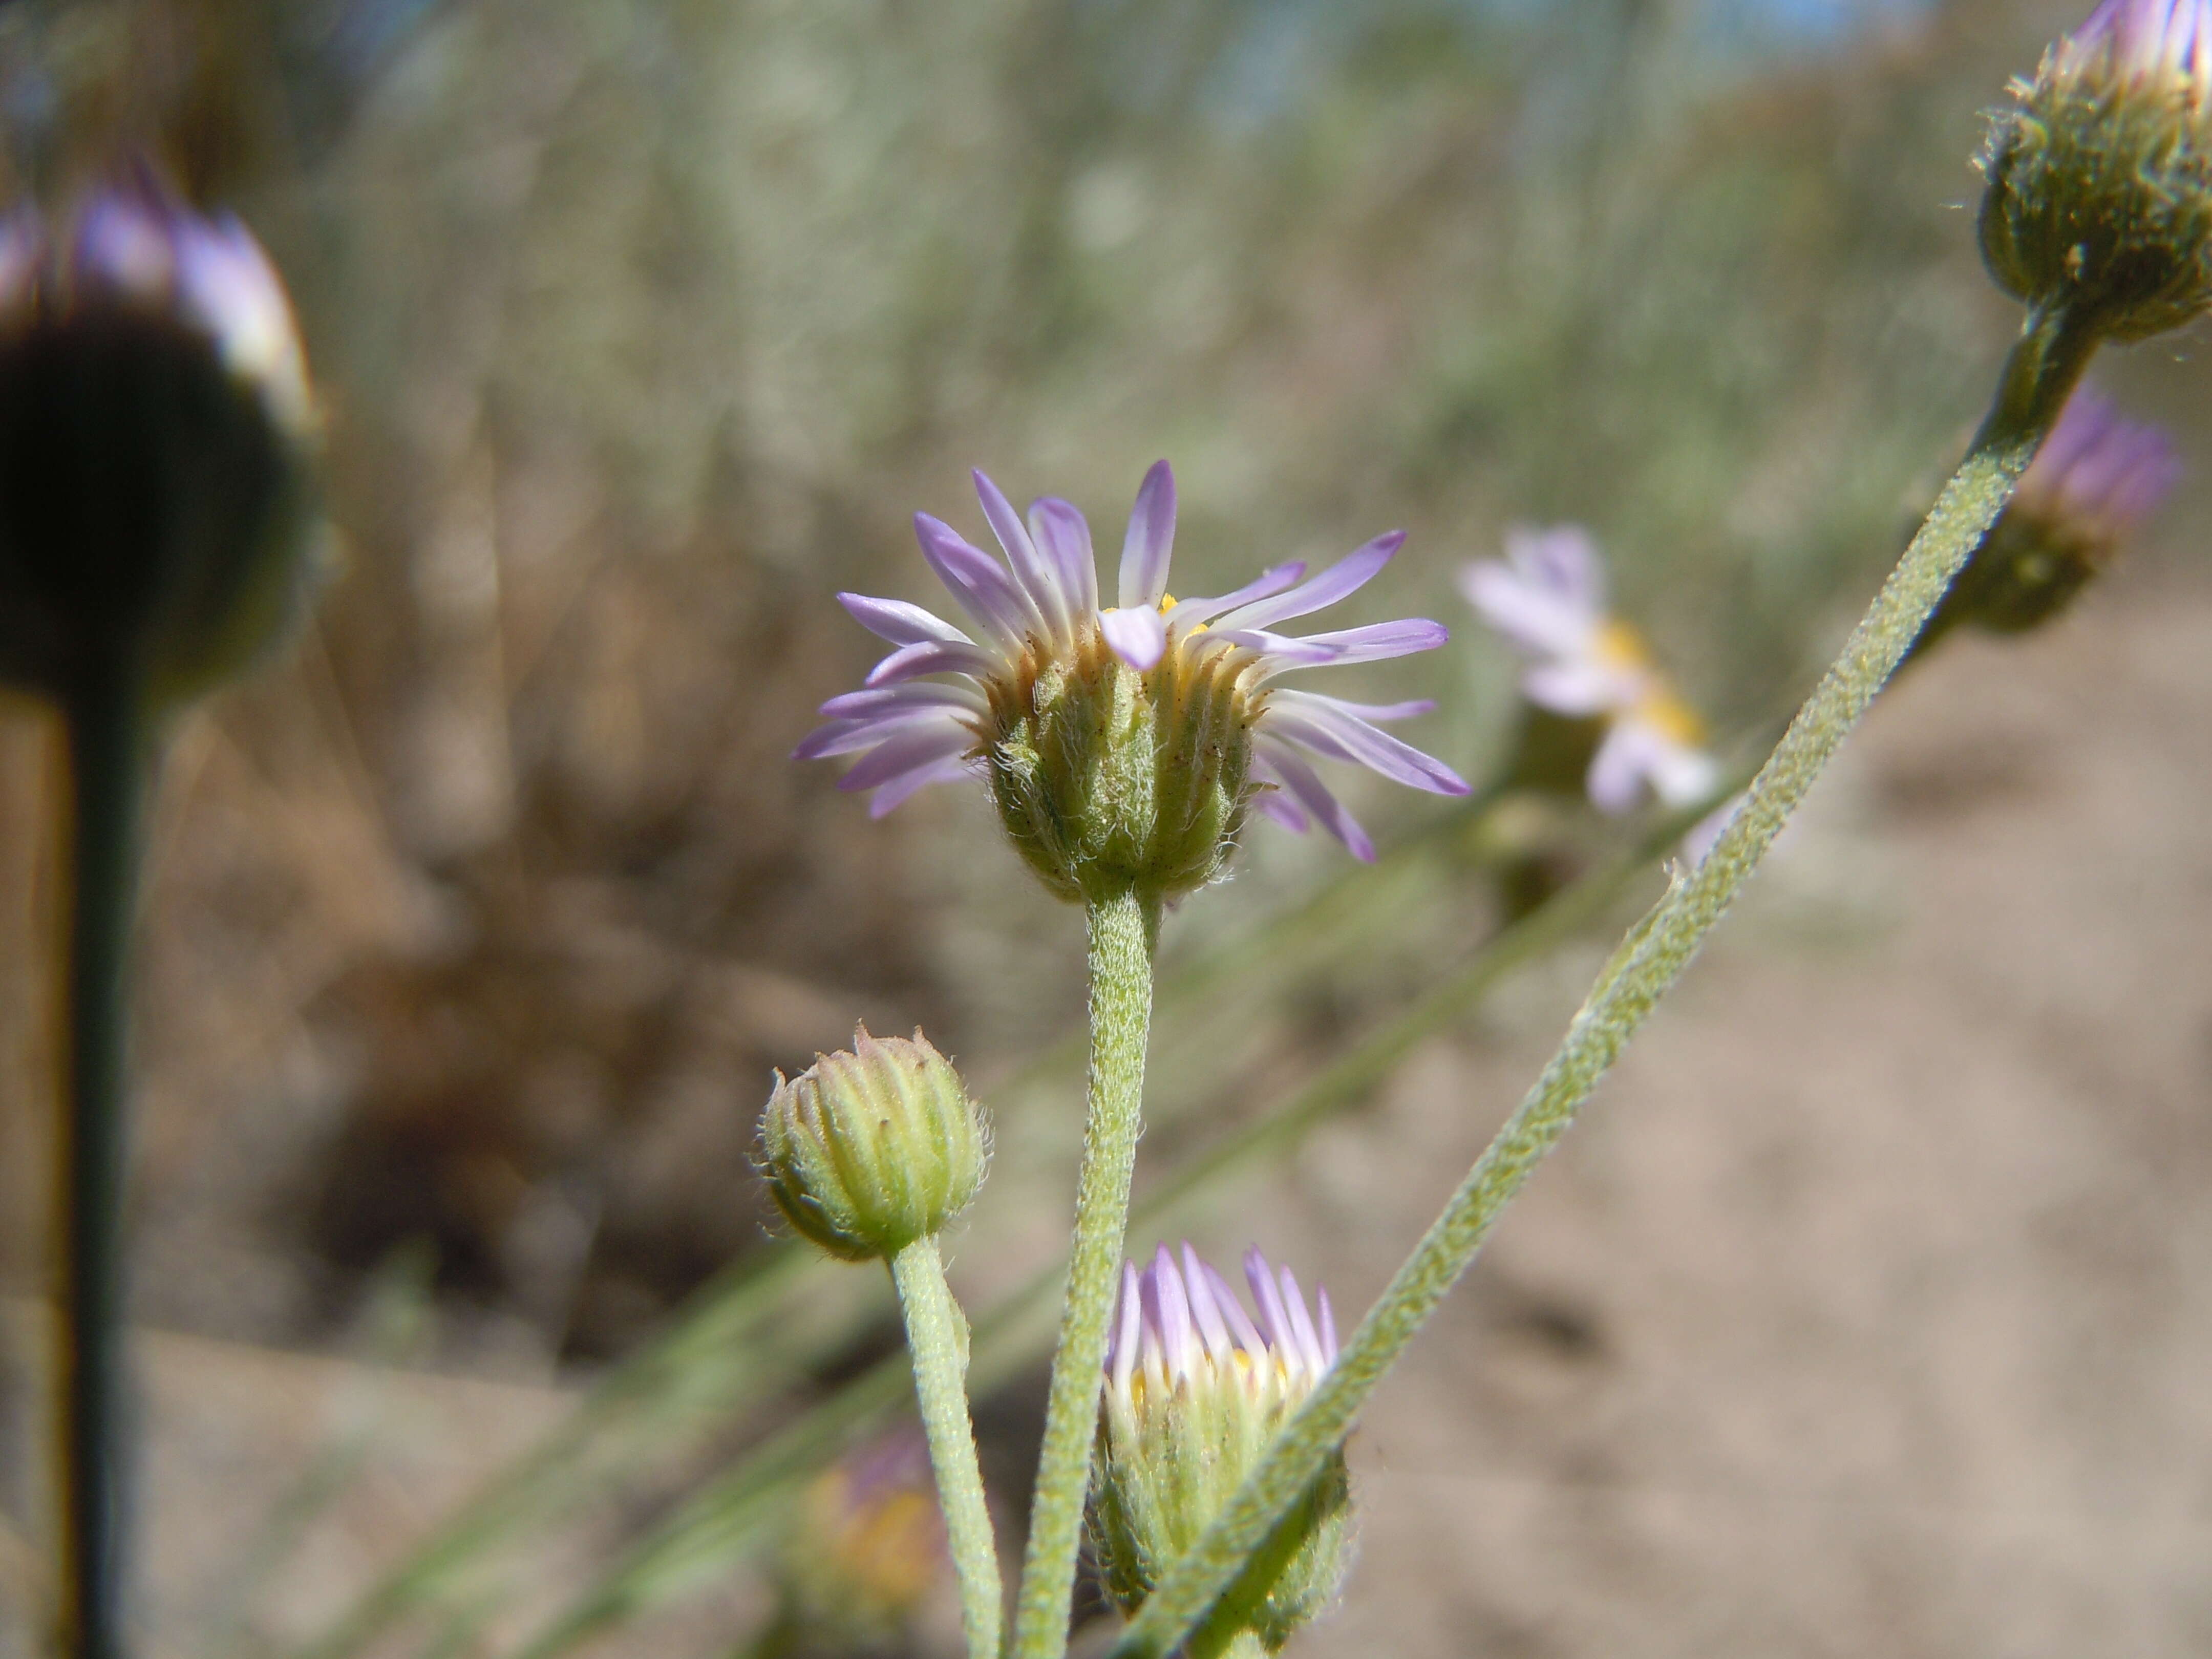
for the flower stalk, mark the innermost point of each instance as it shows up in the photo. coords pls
(107, 741)
(1124, 931)
(937, 1336)
(2039, 372)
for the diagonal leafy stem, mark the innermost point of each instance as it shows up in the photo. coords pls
(2039, 372)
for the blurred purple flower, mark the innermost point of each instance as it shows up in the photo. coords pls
(1547, 600)
(2097, 480)
(868, 1539)
(2099, 474)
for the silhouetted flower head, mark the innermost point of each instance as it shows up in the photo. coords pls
(154, 429)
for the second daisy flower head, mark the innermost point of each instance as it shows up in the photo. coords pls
(1547, 599)
(1125, 745)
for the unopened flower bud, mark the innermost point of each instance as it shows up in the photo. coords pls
(1196, 1391)
(155, 512)
(2096, 480)
(868, 1151)
(2100, 197)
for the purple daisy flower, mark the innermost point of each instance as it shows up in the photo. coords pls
(1180, 1328)
(931, 710)
(1196, 1390)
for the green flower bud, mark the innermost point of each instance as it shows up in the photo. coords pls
(868, 1151)
(1108, 778)
(2100, 197)
(156, 514)
(1195, 1393)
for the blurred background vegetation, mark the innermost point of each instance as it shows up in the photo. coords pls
(643, 326)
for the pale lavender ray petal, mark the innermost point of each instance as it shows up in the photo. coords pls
(1187, 613)
(1620, 768)
(1377, 642)
(1327, 1326)
(1122, 1355)
(1137, 637)
(911, 746)
(843, 736)
(122, 243)
(1346, 577)
(226, 283)
(2081, 424)
(2091, 474)
(1154, 1360)
(861, 705)
(1282, 651)
(895, 792)
(1032, 569)
(1311, 794)
(837, 737)
(1531, 618)
(1211, 1325)
(979, 582)
(1273, 801)
(1579, 689)
(900, 623)
(1240, 1322)
(1176, 1333)
(1301, 1326)
(1414, 708)
(1150, 544)
(932, 657)
(1563, 559)
(1682, 775)
(1272, 1319)
(1327, 727)
(1064, 536)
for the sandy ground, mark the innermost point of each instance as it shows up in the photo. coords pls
(1869, 1311)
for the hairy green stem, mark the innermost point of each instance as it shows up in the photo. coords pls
(1124, 929)
(2039, 374)
(937, 1336)
(108, 742)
